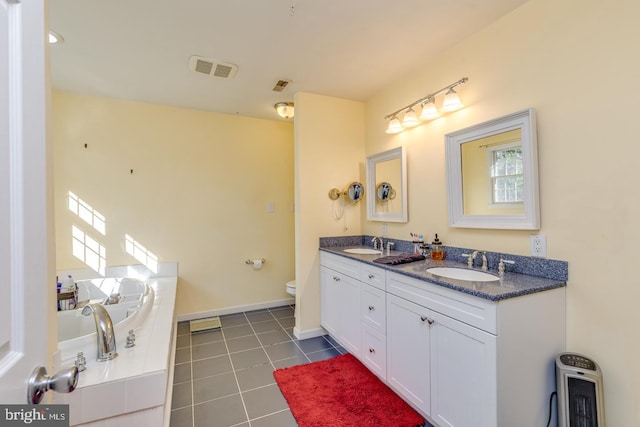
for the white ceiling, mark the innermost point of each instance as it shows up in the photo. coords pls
(139, 49)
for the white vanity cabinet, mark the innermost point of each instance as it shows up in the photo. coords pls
(464, 361)
(444, 367)
(353, 308)
(340, 310)
(460, 360)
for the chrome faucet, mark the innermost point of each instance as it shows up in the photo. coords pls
(105, 336)
(485, 267)
(472, 258)
(375, 241)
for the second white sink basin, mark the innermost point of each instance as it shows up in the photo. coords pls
(363, 251)
(462, 274)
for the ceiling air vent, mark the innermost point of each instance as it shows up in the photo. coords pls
(213, 68)
(281, 85)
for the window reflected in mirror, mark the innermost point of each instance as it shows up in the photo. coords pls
(493, 174)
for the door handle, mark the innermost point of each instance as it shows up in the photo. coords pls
(63, 381)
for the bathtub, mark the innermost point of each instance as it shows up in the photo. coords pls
(135, 387)
(135, 299)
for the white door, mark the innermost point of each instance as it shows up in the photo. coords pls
(329, 300)
(350, 329)
(26, 223)
(463, 374)
(408, 351)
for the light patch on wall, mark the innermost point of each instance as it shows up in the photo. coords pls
(87, 213)
(88, 250)
(142, 254)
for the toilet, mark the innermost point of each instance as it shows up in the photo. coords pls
(291, 288)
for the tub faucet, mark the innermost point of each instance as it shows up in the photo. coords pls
(114, 298)
(105, 336)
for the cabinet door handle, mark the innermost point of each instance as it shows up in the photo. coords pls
(371, 308)
(429, 321)
(337, 279)
(371, 276)
(371, 350)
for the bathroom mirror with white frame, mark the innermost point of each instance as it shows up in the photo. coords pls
(387, 186)
(492, 174)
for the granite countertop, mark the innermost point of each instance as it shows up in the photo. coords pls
(509, 286)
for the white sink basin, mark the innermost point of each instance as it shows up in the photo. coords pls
(462, 274)
(362, 251)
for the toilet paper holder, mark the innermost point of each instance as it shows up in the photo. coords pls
(250, 261)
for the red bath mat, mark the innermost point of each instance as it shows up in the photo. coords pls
(341, 392)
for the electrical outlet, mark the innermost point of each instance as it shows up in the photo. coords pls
(384, 230)
(539, 245)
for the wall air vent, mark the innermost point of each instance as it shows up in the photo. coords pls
(213, 68)
(281, 85)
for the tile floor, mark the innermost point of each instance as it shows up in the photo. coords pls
(224, 377)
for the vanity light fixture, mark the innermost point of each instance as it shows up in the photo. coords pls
(429, 111)
(284, 109)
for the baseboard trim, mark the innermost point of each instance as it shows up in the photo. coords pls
(235, 309)
(311, 333)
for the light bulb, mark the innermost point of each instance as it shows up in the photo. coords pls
(285, 109)
(394, 126)
(451, 101)
(429, 111)
(410, 119)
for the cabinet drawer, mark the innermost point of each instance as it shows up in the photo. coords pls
(374, 352)
(374, 308)
(341, 264)
(466, 308)
(374, 276)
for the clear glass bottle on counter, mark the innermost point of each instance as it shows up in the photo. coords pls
(437, 252)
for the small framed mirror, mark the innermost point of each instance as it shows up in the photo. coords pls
(387, 186)
(492, 174)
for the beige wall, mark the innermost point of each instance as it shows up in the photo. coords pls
(576, 63)
(329, 140)
(198, 194)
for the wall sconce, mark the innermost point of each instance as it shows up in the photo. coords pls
(429, 111)
(284, 109)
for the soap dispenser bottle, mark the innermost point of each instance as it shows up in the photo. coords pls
(436, 249)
